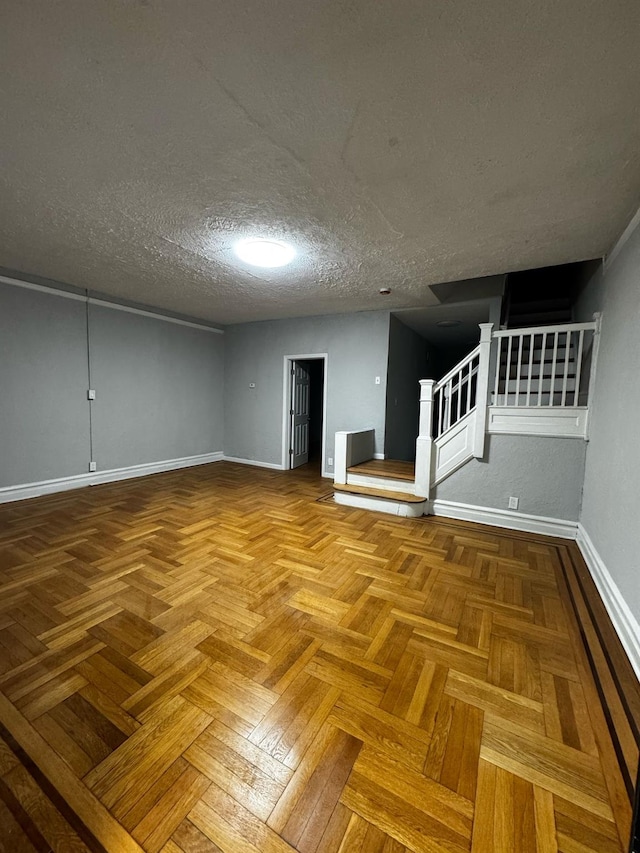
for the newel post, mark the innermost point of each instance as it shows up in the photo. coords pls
(424, 442)
(482, 389)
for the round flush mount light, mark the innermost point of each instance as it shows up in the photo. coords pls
(262, 252)
(448, 324)
(384, 291)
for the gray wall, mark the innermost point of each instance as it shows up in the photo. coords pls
(611, 498)
(357, 345)
(159, 388)
(407, 365)
(545, 473)
(44, 414)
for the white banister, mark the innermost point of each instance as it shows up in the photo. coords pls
(424, 442)
(482, 389)
(547, 377)
(456, 370)
(538, 330)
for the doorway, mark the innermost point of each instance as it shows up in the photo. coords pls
(304, 411)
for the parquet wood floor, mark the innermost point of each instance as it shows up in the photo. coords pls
(212, 660)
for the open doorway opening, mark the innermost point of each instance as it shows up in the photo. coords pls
(304, 417)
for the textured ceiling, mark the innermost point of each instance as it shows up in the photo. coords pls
(395, 144)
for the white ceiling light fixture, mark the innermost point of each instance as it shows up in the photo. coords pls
(263, 252)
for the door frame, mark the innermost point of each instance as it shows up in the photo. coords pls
(286, 406)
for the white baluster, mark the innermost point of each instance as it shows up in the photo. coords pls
(506, 386)
(576, 393)
(543, 356)
(496, 388)
(532, 341)
(552, 386)
(519, 367)
(565, 375)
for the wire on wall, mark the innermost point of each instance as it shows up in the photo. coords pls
(89, 385)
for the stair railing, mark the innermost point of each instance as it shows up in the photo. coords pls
(454, 396)
(444, 404)
(542, 366)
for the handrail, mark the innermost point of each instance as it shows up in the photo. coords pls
(455, 394)
(458, 367)
(542, 366)
(541, 330)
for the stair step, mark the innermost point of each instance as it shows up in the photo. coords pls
(407, 497)
(393, 469)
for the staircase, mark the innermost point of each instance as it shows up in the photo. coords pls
(380, 484)
(383, 484)
(540, 378)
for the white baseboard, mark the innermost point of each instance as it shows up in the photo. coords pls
(506, 518)
(78, 481)
(624, 622)
(273, 465)
(379, 456)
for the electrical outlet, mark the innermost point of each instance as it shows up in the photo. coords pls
(330, 460)
(513, 503)
(93, 466)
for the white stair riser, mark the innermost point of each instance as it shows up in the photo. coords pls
(379, 504)
(385, 483)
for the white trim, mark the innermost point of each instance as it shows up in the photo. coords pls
(380, 504)
(379, 456)
(240, 461)
(624, 622)
(506, 518)
(550, 421)
(104, 303)
(28, 285)
(286, 396)
(78, 481)
(622, 239)
(116, 306)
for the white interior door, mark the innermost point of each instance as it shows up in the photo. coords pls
(299, 447)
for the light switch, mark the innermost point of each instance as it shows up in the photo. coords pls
(91, 394)
(377, 380)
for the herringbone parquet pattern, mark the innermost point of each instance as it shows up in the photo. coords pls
(211, 660)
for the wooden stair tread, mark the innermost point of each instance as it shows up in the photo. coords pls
(379, 493)
(393, 469)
